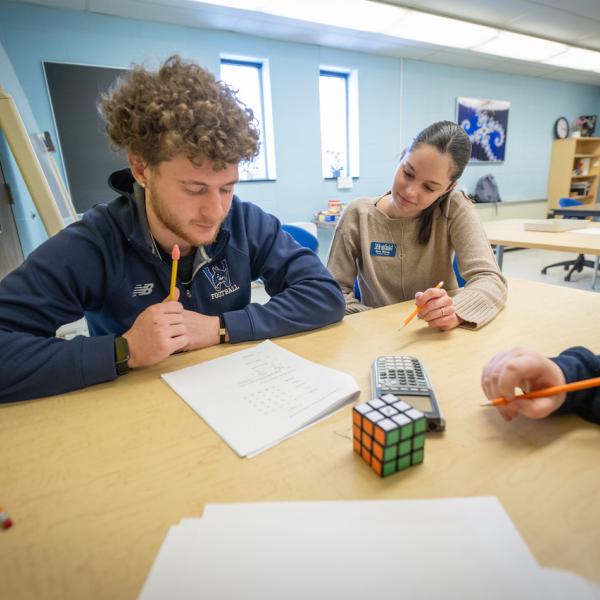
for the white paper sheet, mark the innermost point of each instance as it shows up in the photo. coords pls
(465, 548)
(590, 231)
(257, 397)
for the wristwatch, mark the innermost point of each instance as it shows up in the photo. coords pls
(222, 330)
(121, 355)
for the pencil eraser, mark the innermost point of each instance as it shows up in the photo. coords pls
(175, 254)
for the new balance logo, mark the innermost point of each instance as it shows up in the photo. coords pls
(143, 289)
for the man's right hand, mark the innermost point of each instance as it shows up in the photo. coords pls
(158, 332)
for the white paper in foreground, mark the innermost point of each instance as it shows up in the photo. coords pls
(464, 548)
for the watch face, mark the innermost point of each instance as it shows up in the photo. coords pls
(561, 128)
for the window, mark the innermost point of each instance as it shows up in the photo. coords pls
(250, 78)
(338, 93)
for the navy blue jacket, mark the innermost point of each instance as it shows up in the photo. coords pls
(579, 363)
(106, 268)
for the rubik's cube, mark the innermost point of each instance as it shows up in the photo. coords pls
(389, 434)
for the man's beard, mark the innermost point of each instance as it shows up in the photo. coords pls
(171, 223)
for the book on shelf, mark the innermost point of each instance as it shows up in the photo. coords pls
(579, 188)
(581, 167)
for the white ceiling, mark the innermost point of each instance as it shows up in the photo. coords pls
(577, 24)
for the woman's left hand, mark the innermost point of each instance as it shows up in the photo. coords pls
(437, 308)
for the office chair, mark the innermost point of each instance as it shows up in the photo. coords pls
(575, 264)
(302, 236)
(461, 282)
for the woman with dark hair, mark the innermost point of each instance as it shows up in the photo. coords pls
(404, 242)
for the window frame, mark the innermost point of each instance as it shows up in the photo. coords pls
(267, 137)
(352, 128)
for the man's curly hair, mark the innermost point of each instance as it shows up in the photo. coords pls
(180, 108)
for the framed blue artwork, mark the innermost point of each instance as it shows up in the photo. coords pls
(485, 122)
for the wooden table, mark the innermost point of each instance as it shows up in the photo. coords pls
(510, 232)
(583, 210)
(95, 478)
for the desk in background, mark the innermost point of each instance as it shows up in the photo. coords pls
(94, 479)
(584, 210)
(510, 232)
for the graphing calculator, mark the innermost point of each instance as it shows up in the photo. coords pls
(406, 378)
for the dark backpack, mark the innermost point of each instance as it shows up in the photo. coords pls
(486, 190)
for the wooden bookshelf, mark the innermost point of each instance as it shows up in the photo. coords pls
(574, 170)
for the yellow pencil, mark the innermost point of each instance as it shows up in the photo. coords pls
(584, 384)
(175, 254)
(417, 310)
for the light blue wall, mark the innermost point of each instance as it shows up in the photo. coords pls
(396, 98)
(430, 93)
(32, 34)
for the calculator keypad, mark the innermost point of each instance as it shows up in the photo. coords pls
(401, 374)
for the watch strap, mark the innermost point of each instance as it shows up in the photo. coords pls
(222, 330)
(121, 355)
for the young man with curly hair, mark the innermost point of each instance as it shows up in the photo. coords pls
(184, 134)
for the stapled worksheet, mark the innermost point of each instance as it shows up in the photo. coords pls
(257, 397)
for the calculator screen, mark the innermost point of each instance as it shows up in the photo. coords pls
(422, 403)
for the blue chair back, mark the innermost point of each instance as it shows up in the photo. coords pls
(566, 202)
(459, 278)
(303, 237)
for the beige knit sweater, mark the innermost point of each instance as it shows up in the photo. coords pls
(388, 279)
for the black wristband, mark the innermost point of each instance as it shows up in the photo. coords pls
(222, 330)
(121, 355)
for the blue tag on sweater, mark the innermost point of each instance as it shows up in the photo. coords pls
(383, 249)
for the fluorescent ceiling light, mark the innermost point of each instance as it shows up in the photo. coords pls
(376, 17)
(523, 47)
(359, 15)
(423, 27)
(576, 58)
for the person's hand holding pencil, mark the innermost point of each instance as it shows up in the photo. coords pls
(529, 371)
(436, 308)
(160, 330)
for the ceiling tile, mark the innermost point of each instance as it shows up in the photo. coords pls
(583, 8)
(555, 24)
(489, 12)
